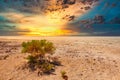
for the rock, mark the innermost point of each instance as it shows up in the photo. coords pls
(3, 57)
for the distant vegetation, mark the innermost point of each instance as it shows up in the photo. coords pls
(63, 75)
(40, 56)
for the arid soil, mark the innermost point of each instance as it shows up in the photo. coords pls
(83, 58)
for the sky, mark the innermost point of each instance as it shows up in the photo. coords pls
(59, 17)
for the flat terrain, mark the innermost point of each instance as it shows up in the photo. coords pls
(83, 58)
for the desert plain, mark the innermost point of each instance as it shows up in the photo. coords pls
(83, 58)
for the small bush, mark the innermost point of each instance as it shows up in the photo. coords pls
(38, 47)
(37, 60)
(63, 75)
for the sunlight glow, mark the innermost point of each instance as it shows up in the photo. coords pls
(48, 31)
(49, 24)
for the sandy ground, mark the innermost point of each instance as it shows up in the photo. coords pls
(83, 58)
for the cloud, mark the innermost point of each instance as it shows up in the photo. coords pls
(70, 16)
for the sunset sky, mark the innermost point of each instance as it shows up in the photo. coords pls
(60, 17)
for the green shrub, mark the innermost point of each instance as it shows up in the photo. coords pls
(63, 75)
(37, 50)
(38, 47)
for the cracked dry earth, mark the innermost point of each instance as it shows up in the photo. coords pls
(83, 58)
